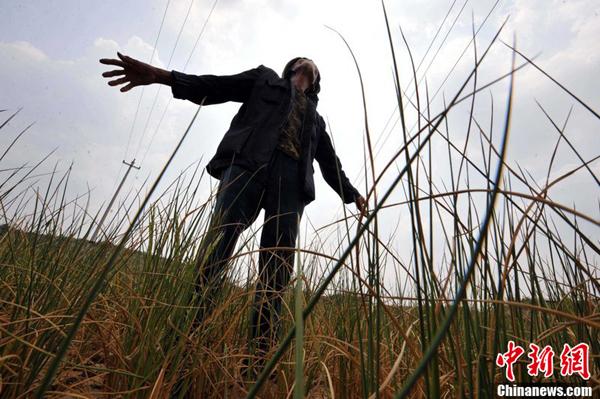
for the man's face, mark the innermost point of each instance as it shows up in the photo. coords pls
(308, 69)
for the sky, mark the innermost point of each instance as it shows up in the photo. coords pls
(49, 53)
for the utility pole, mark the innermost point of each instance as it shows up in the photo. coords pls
(112, 201)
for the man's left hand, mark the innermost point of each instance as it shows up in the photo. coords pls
(361, 204)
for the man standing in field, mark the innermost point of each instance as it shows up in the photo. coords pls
(264, 161)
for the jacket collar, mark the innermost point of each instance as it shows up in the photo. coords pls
(277, 81)
(287, 84)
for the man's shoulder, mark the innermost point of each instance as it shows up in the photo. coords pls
(320, 119)
(268, 76)
(268, 72)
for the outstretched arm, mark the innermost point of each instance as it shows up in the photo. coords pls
(210, 88)
(135, 73)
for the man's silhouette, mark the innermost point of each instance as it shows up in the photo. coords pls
(264, 161)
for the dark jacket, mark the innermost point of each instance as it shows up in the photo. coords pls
(250, 141)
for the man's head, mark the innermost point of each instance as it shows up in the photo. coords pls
(307, 67)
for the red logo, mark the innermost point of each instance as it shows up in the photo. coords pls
(540, 361)
(507, 359)
(575, 360)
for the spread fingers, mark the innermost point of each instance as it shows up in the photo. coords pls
(110, 61)
(119, 81)
(125, 58)
(116, 72)
(127, 88)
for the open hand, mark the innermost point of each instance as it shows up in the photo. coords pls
(134, 73)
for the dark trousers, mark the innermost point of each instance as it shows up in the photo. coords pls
(242, 194)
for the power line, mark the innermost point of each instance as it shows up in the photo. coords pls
(160, 87)
(186, 64)
(142, 93)
(360, 174)
(184, 68)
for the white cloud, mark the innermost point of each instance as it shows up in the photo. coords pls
(22, 51)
